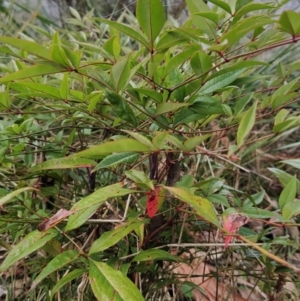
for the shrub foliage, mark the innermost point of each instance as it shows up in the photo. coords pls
(122, 140)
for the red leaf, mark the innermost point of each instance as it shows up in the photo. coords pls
(153, 202)
(231, 223)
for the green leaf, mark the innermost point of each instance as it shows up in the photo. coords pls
(249, 8)
(246, 124)
(120, 107)
(140, 178)
(74, 57)
(206, 105)
(47, 89)
(110, 238)
(191, 143)
(212, 16)
(29, 46)
(118, 146)
(288, 194)
(116, 159)
(204, 24)
(101, 287)
(201, 62)
(168, 40)
(242, 27)
(282, 90)
(5, 100)
(178, 60)
(289, 21)
(62, 163)
(64, 87)
(75, 274)
(121, 285)
(120, 73)
(202, 206)
(30, 243)
(280, 100)
(285, 125)
(219, 82)
(56, 263)
(166, 107)
(141, 139)
(186, 115)
(293, 162)
(113, 47)
(239, 4)
(151, 17)
(258, 213)
(222, 4)
(155, 254)
(158, 97)
(13, 194)
(159, 139)
(58, 53)
(291, 209)
(175, 141)
(31, 72)
(86, 207)
(283, 177)
(129, 31)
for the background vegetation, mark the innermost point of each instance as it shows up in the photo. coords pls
(142, 159)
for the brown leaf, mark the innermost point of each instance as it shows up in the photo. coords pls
(54, 220)
(197, 272)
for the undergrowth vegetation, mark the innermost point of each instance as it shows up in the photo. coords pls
(143, 160)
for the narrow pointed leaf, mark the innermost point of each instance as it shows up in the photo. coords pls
(202, 206)
(131, 32)
(64, 87)
(47, 89)
(170, 107)
(159, 139)
(140, 178)
(246, 124)
(123, 287)
(177, 60)
(288, 194)
(75, 274)
(31, 72)
(63, 163)
(29, 46)
(249, 8)
(142, 139)
(118, 146)
(29, 244)
(291, 209)
(293, 162)
(191, 143)
(86, 207)
(290, 22)
(151, 17)
(155, 254)
(110, 238)
(56, 263)
(13, 194)
(283, 177)
(120, 73)
(219, 82)
(58, 53)
(222, 4)
(116, 159)
(101, 287)
(120, 107)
